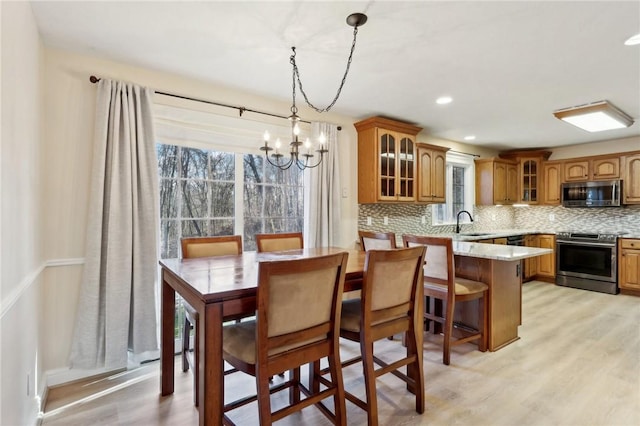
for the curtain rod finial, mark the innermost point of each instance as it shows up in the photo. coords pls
(94, 79)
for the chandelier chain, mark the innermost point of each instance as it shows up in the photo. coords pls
(296, 74)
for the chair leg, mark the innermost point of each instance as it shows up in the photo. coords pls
(314, 373)
(294, 391)
(185, 344)
(339, 397)
(448, 331)
(482, 322)
(196, 364)
(415, 369)
(264, 399)
(366, 349)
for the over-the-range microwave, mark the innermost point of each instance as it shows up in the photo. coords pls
(605, 193)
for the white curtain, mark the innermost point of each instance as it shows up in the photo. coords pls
(117, 308)
(322, 193)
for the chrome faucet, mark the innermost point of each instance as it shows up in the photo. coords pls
(458, 220)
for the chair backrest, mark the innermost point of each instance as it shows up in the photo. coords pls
(439, 265)
(299, 302)
(211, 246)
(391, 281)
(279, 242)
(377, 240)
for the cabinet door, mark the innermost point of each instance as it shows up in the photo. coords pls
(547, 262)
(530, 263)
(629, 273)
(631, 185)
(576, 171)
(512, 184)
(607, 168)
(438, 176)
(529, 182)
(406, 166)
(499, 183)
(552, 177)
(387, 166)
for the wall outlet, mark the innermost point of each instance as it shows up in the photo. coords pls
(345, 192)
(423, 220)
(552, 217)
(368, 220)
(385, 221)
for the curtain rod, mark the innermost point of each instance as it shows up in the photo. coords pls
(241, 110)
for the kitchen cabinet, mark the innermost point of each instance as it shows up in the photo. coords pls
(501, 241)
(496, 182)
(530, 263)
(530, 183)
(629, 264)
(598, 168)
(432, 165)
(547, 263)
(386, 160)
(552, 179)
(631, 184)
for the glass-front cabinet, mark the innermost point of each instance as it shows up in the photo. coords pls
(386, 160)
(529, 169)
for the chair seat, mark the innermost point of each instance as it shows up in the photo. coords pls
(351, 313)
(239, 341)
(463, 287)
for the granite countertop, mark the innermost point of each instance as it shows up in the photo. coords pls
(497, 251)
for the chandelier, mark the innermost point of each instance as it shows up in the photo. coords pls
(303, 157)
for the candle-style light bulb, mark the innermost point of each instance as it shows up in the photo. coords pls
(278, 143)
(296, 129)
(322, 138)
(266, 136)
(307, 143)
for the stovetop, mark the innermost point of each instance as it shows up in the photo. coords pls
(606, 236)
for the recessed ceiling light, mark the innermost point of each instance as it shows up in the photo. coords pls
(633, 40)
(470, 138)
(443, 100)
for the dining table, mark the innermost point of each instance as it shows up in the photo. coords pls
(221, 289)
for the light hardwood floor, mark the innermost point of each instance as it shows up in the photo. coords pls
(577, 363)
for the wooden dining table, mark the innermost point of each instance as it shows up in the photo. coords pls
(220, 289)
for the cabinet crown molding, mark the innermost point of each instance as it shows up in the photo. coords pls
(387, 123)
(514, 155)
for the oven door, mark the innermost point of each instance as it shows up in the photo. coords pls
(596, 261)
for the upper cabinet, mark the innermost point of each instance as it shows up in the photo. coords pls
(496, 182)
(432, 162)
(599, 168)
(530, 174)
(387, 166)
(551, 178)
(631, 177)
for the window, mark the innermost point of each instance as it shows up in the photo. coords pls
(460, 193)
(198, 190)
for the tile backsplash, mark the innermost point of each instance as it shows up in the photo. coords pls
(414, 218)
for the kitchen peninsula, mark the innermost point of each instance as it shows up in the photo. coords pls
(498, 266)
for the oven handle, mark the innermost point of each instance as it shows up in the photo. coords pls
(582, 243)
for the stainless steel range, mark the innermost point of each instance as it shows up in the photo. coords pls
(587, 261)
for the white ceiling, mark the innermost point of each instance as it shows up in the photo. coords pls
(507, 65)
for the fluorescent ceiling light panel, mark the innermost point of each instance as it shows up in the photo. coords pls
(633, 40)
(595, 117)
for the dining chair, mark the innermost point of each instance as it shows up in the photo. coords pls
(391, 295)
(441, 283)
(297, 322)
(377, 240)
(194, 247)
(279, 241)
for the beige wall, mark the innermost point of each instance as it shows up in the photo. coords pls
(21, 215)
(596, 148)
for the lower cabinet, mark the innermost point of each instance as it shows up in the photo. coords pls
(530, 263)
(629, 268)
(547, 262)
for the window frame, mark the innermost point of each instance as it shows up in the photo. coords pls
(455, 159)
